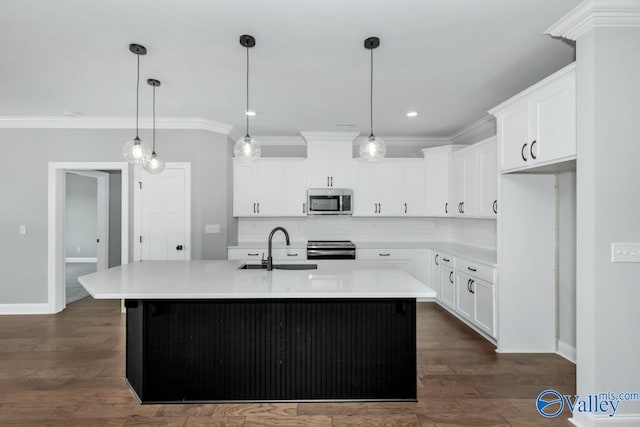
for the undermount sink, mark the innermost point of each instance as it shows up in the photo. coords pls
(279, 267)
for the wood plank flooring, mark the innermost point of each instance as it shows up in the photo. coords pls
(68, 370)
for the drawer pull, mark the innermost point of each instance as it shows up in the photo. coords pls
(384, 254)
(471, 269)
(292, 254)
(446, 260)
(253, 254)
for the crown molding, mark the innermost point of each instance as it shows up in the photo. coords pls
(88, 122)
(487, 120)
(280, 140)
(329, 136)
(591, 14)
(410, 140)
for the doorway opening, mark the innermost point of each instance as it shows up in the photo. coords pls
(88, 219)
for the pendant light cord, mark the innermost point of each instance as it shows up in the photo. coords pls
(246, 113)
(371, 95)
(154, 120)
(137, 94)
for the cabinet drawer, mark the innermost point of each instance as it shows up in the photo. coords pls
(383, 254)
(246, 254)
(474, 269)
(290, 254)
(443, 259)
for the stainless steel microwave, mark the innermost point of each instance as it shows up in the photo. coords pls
(333, 201)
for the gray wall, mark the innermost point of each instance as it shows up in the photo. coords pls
(81, 216)
(567, 259)
(115, 218)
(23, 191)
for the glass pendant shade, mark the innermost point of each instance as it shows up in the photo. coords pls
(373, 149)
(154, 164)
(247, 150)
(136, 152)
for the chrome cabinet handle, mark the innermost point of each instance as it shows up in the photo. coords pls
(436, 259)
(524, 147)
(495, 206)
(533, 156)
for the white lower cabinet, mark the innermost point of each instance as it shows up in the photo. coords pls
(485, 306)
(447, 287)
(465, 301)
(256, 255)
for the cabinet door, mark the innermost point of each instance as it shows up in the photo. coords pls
(365, 190)
(458, 179)
(436, 183)
(341, 175)
(244, 189)
(269, 185)
(488, 180)
(319, 161)
(470, 200)
(554, 121)
(422, 267)
(465, 305)
(413, 189)
(390, 189)
(513, 134)
(436, 282)
(294, 188)
(485, 303)
(447, 287)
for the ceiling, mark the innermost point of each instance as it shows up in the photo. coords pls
(451, 60)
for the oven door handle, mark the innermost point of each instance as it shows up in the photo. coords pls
(321, 252)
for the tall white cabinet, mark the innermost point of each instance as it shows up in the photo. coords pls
(329, 158)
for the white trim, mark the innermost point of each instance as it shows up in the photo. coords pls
(55, 224)
(567, 351)
(42, 308)
(329, 136)
(591, 14)
(488, 118)
(279, 140)
(98, 122)
(619, 420)
(88, 260)
(137, 212)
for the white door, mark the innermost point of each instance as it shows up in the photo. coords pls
(513, 131)
(294, 188)
(488, 186)
(365, 192)
(447, 287)
(413, 187)
(458, 177)
(319, 158)
(484, 310)
(164, 201)
(341, 164)
(269, 186)
(244, 189)
(436, 182)
(390, 192)
(465, 301)
(470, 206)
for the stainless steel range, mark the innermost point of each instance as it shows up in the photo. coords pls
(331, 249)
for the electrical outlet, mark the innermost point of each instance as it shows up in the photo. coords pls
(625, 252)
(212, 228)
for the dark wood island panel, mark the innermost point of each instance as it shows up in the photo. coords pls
(256, 350)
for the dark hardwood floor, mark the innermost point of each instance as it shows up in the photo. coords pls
(68, 369)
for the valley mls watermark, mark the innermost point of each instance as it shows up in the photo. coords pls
(550, 403)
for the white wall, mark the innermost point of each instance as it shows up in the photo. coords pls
(81, 216)
(115, 218)
(567, 264)
(23, 191)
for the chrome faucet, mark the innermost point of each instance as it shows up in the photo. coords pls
(269, 257)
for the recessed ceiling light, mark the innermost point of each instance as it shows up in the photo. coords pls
(250, 113)
(412, 114)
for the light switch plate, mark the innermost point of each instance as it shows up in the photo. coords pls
(625, 252)
(212, 228)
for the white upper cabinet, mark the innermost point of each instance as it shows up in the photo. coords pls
(269, 187)
(388, 188)
(437, 178)
(329, 156)
(474, 180)
(538, 126)
(487, 179)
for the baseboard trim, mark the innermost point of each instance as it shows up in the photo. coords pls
(622, 420)
(81, 259)
(42, 308)
(567, 351)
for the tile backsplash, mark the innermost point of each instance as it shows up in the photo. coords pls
(473, 232)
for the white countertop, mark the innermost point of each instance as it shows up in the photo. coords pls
(223, 280)
(263, 245)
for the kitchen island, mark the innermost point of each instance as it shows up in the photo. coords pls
(207, 331)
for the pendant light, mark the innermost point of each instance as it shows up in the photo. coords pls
(373, 148)
(136, 151)
(247, 149)
(153, 163)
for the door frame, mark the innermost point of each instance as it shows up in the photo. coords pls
(55, 224)
(137, 208)
(102, 250)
